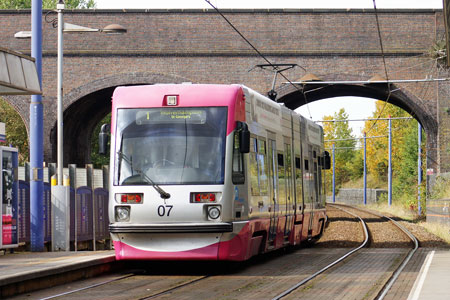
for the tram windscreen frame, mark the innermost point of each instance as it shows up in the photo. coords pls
(170, 146)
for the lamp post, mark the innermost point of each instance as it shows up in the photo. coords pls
(61, 191)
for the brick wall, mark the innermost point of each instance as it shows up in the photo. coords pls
(199, 46)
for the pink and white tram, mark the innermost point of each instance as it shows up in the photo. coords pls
(211, 172)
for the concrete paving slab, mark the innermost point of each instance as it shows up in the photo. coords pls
(433, 280)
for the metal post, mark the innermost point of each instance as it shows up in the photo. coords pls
(60, 8)
(90, 183)
(51, 171)
(334, 174)
(27, 172)
(365, 171)
(105, 171)
(73, 184)
(390, 164)
(36, 137)
(90, 175)
(61, 191)
(419, 167)
(73, 175)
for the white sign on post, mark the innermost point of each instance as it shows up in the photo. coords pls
(2, 132)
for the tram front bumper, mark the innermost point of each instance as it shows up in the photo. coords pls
(172, 228)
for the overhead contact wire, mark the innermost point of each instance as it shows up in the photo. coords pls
(259, 53)
(384, 64)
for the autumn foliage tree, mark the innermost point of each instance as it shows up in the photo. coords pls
(404, 150)
(16, 132)
(340, 134)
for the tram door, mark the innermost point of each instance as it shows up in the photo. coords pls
(273, 209)
(311, 167)
(317, 178)
(288, 189)
(314, 183)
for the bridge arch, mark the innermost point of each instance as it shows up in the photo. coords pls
(301, 94)
(87, 105)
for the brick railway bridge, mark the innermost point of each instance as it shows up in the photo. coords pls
(174, 46)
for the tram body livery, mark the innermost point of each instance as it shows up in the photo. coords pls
(211, 172)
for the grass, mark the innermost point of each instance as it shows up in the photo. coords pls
(441, 230)
(441, 188)
(397, 210)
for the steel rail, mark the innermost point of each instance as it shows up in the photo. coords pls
(366, 239)
(88, 287)
(168, 291)
(397, 272)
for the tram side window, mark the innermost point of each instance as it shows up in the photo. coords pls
(238, 176)
(262, 168)
(258, 168)
(281, 180)
(298, 179)
(254, 167)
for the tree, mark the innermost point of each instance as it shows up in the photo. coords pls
(377, 149)
(99, 160)
(404, 152)
(47, 4)
(16, 132)
(340, 134)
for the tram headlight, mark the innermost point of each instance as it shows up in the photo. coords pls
(213, 212)
(122, 213)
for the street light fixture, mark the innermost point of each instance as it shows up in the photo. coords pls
(68, 28)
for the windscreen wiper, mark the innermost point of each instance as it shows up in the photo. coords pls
(162, 193)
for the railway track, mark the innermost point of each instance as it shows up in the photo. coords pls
(268, 277)
(395, 274)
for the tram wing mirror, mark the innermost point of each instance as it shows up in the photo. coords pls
(244, 137)
(327, 160)
(103, 139)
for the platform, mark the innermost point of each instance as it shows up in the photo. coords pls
(434, 277)
(24, 271)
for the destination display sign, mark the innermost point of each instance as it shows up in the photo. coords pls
(171, 115)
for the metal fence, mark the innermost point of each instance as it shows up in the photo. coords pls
(88, 212)
(356, 196)
(438, 210)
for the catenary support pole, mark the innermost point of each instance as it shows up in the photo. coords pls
(36, 137)
(390, 163)
(365, 171)
(334, 173)
(419, 169)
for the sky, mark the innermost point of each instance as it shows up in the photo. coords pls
(357, 108)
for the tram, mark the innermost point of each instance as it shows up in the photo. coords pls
(211, 172)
